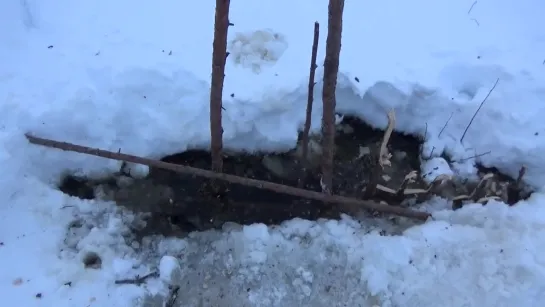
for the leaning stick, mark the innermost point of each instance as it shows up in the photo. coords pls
(348, 205)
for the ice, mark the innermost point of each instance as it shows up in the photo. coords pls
(133, 76)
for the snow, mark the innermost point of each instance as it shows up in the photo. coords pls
(435, 167)
(169, 268)
(134, 170)
(134, 76)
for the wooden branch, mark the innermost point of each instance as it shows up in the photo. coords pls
(348, 205)
(138, 280)
(219, 56)
(380, 159)
(409, 178)
(172, 295)
(331, 70)
(384, 154)
(308, 119)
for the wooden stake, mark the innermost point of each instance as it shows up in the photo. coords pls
(219, 56)
(331, 70)
(308, 119)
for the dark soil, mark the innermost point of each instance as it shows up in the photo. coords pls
(176, 203)
(186, 201)
(247, 205)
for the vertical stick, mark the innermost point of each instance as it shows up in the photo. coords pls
(311, 83)
(331, 70)
(219, 56)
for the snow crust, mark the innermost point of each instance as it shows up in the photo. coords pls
(134, 76)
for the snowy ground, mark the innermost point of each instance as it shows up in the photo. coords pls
(135, 75)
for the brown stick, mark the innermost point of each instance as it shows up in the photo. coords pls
(308, 119)
(219, 56)
(331, 70)
(349, 205)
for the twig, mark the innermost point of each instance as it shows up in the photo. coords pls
(478, 109)
(480, 186)
(473, 157)
(424, 139)
(432, 150)
(138, 280)
(381, 159)
(409, 178)
(219, 56)
(522, 172)
(331, 70)
(384, 155)
(445, 126)
(471, 8)
(349, 205)
(426, 133)
(172, 296)
(311, 83)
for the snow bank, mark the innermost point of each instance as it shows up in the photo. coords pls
(457, 260)
(126, 87)
(139, 84)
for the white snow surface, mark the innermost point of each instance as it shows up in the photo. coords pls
(134, 76)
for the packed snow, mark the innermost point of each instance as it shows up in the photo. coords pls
(134, 76)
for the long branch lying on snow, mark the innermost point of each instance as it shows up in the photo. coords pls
(348, 205)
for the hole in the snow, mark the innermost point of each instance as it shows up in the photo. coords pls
(76, 224)
(500, 184)
(77, 186)
(183, 198)
(173, 204)
(514, 193)
(92, 260)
